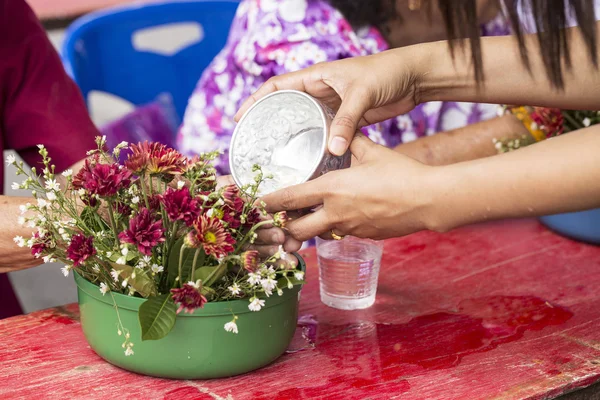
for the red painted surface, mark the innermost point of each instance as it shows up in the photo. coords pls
(501, 311)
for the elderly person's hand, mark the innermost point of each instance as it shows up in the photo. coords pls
(363, 91)
(378, 197)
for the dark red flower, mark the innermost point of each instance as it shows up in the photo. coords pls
(232, 213)
(123, 209)
(155, 158)
(188, 297)
(106, 180)
(80, 249)
(210, 233)
(180, 206)
(40, 243)
(250, 260)
(549, 120)
(84, 174)
(252, 218)
(230, 193)
(144, 231)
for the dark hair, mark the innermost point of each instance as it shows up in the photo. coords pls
(460, 17)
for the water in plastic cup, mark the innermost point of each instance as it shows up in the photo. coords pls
(348, 272)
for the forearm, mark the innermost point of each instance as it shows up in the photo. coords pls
(14, 258)
(468, 143)
(507, 80)
(558, 175)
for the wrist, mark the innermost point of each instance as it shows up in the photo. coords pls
(439, 76)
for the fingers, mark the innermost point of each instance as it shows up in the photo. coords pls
(360, 147)
(297, 197)
(292, 245)
(224, 180)
(270, 236)
(346, 122)
(309, 226)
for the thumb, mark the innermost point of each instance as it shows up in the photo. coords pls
(346, 122)
(360, 146)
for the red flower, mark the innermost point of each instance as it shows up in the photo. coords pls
(230, 194)
(144, 231)
(40, 243)
(250, 260)
(180, 205)
(280, 219)
(232, 212)
(188, 297)
(156, 158)
(80, 249)
(549, 120)
(211, 235)
(106, 180)
(84, 174)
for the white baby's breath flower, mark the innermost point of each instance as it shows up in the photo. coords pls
(29, 243)
(19, 240)
(180, 184)
(66, 237)
(299, 275)
(586, 122)
(31, 224)
(40, 146)
(254, 278)
(67, 173)
(21, 220)
(121, 260)
(157, 268)
(47, 259)
(51, 184)
(210, 212)
(61, 231)
(96, 268)
(123, 144)
(128, 351)
(124, 251)
(15, 186)
(81, 192)
(104, 288)
(256, 304)
(146, 260)
(42, 203)
(279, 292)
(65, 270)
(231, 326)
(51, 196)
(234, 289)
(10, 159)
(135, 200)
(125, 282)
(23, 208)
(268, 285)
(115, 275)
(195, 285)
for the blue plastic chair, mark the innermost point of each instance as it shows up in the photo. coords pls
(99, 51)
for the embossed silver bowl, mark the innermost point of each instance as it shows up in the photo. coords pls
(286, 134)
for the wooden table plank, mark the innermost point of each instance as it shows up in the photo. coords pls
(500, 311)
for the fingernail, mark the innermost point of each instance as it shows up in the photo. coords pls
(338, 146)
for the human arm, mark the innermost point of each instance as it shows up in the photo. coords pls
(386, 194)
(401, 78)
(468, 143)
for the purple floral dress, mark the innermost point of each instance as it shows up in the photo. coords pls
(272, 37)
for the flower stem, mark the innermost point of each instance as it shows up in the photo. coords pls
(113, 225)
(181, 253)
(143, 186)
(194, 263)
(251, 232)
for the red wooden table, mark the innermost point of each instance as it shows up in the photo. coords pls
(501, 311)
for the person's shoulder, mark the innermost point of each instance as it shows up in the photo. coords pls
(18, 23)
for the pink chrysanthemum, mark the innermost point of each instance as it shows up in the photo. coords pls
(210, 234)
(188, 297)
(155, 158)
(250, 260)
(180, 206)
(105, 180)
(144, 231)
(80, 249)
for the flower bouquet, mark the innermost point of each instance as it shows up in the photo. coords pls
(160, 252)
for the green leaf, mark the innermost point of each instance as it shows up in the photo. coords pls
(203, 272)
(188, 259)
(157, 317)
(142, 283)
